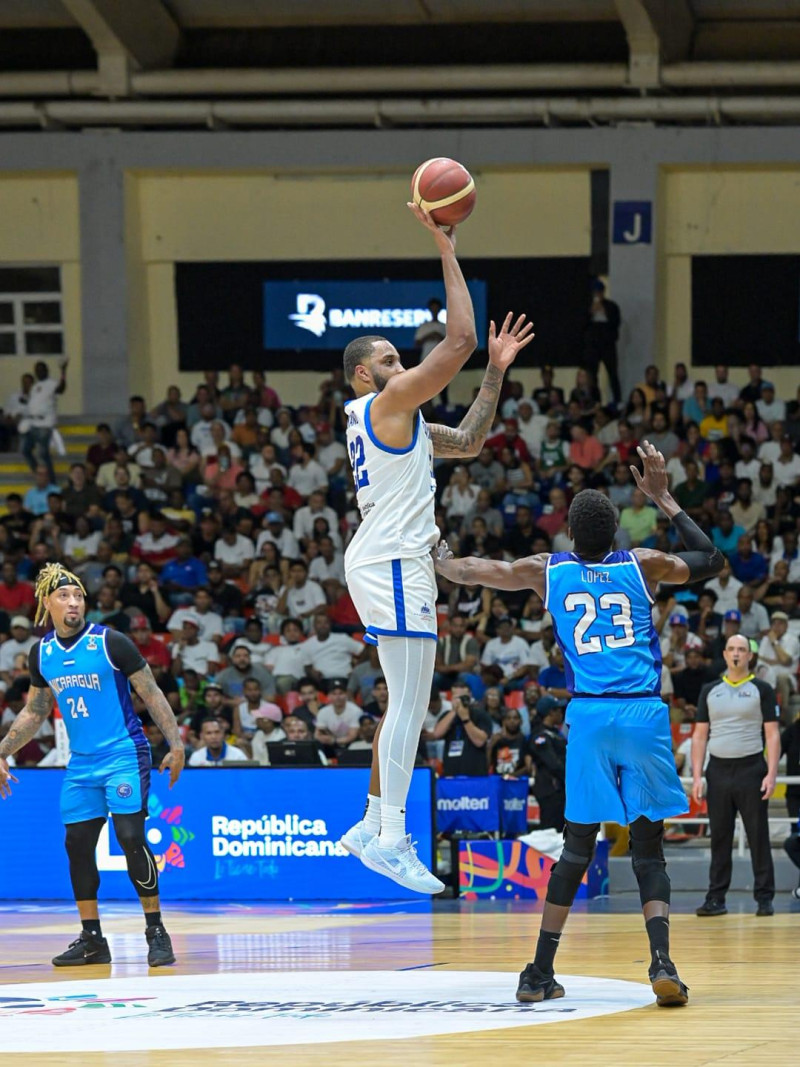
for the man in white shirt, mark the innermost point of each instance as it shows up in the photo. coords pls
(210, 622)
(787, 465)
(287, 661)
(531, 426)
(201, 436)
(754, 618)
(508, 652)
(747, 465)
(722, 387)
(19, 641)
(430, 332)
(328, 564)
(234, 551)
(214, 749)
(338, 721)
(769, 408)
(306, 475)
(37, 425)
(330, 655)
(190, 653)
(780, 651)
(727, 589)
(279, 535)
(300, 597)
(768, 451)
(316, 508)
(331, 454)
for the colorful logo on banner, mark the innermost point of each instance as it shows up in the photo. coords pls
(172, 855)
(512, 870)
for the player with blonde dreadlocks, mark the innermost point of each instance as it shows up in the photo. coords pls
(90, 669)
(50, 577)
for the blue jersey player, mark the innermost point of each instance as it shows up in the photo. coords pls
(619, 755)
(89, 669)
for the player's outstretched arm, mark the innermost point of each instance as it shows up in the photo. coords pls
(23, 729)
(408, 391)
(164, 717)
(466, 440)
(701, 560)
(525, 573)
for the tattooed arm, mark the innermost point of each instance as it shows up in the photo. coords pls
(466, 440)
(164, 717)
(23, 729)
(26, 725)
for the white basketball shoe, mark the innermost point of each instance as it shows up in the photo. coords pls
(402, 864)
(356, 838)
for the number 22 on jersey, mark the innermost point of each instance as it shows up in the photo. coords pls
(588, 605)
(360, 473)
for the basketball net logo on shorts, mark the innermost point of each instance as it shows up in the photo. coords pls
(310, 315)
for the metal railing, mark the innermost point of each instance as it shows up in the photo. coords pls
(741, 837)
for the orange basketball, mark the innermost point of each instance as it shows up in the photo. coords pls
(444, 189)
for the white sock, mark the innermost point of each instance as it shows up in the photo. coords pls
(372, 814)
(393, 825)
(408, 664)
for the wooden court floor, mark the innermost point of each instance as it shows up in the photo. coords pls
(743, 972)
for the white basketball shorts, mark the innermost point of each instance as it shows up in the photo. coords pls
(395, 598)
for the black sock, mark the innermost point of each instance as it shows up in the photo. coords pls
(92, 926)
(658, 933)
(546, 948)
(152, 918)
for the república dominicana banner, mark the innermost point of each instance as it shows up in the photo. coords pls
(220, 834)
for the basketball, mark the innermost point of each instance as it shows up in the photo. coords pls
(444, 189)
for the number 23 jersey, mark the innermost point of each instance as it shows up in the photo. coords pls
(602, 619)
(394, 491)
(88, 675)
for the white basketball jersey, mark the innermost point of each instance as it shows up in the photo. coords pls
(394, 491)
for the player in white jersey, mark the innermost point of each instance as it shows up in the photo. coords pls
(388, 563)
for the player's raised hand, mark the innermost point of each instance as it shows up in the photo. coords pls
(5, 777)
(174, 761)
(445, 237)
(653, 481)
(504, 346)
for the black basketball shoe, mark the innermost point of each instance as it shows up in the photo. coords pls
(535, 986)
(669, 989)
(159, 952)
(711, 906)
(83, 951)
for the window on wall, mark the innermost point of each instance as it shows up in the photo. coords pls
(30, 312)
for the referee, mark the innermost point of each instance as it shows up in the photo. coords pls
(733, 715)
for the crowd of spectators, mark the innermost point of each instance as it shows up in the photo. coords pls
(212, 530)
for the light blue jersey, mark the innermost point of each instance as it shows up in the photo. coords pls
(602, 619)
(93, 693)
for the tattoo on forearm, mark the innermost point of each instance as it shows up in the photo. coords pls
(467, 439)
(157, 705)
(26, 725)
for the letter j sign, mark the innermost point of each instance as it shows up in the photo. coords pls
(633, 222)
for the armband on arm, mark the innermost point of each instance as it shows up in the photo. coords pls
(702, 558)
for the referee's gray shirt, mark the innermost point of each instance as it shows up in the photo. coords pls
(736, 713)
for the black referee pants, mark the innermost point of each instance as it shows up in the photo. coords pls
(735, 785)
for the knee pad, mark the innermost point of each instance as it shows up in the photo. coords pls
(80, 841)
(141, 863)
(647, 857)
(567, 874)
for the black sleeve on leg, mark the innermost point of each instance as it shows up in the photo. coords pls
(81, 842)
